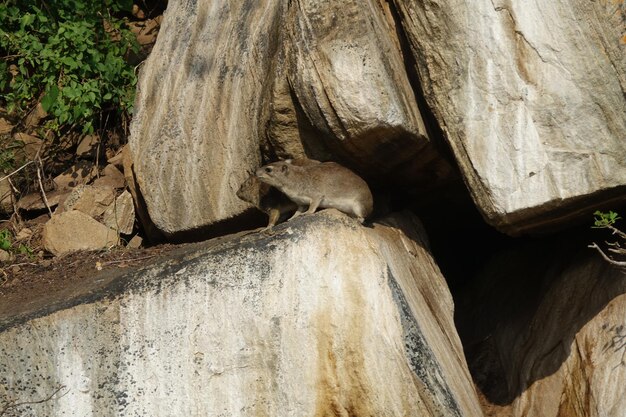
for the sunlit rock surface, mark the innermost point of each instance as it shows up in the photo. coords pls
(531, 98)
(326, 317)
(195, 130)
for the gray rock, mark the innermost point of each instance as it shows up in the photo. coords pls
(345, 67)
(120, 215)
(195, 132)
(531, 98)
(324, 318)
(73, 230)
(89, 199)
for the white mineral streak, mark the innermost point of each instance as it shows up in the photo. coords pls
(531, 97)
(325, 318)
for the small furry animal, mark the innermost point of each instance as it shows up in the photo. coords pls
(314, 184)
(267, 199)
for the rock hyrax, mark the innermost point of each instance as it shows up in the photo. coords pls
(314, 184)
(267, 199)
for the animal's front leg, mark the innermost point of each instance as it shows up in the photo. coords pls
(297, 213)
(315, 203)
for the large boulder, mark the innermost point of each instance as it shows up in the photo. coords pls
(543, 329)
(347, 75)
(531, 98)
(325, 317)
(195, 133)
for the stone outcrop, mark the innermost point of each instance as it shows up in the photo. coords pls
(292, 324)
(531, 100)
(120, 215)
(346, 72)
(195, 133)
(544, 332)
(73, 230)
(316, 78)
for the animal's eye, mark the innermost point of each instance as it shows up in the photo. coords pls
(268, 169)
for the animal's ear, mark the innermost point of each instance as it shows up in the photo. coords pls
(284, 168)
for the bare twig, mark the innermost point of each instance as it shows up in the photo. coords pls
(43, 192)
(616, 231)
(15, 405)
(17, 170)
(128, 260)
(607, 258)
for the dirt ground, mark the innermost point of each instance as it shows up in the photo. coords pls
(27, 278)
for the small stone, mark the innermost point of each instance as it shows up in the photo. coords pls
(34, 201)
(120, 215)
(5, 126)
(23, 234)
(73, 231)
(89, 199)
(34, 118)
(81, 173)
(31, 146)
(138, 13)
(111, 177)
(88, 146)
(118, 159)
(4, 256)
(6, 197)
(135, 242)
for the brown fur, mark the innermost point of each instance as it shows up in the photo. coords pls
(312, 184)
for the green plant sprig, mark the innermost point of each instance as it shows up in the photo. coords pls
(72, 60)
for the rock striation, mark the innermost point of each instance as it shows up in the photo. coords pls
(531, 99)
(326, 317)
(195, 133)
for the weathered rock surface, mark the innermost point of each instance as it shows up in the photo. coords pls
(89, 199)
(110, 177)
(6, 196)
(326, 317)
(531, 98)
(346, 70)
(88, 147)
(35, 201)
(544, 333)
(80, 173)
(120, 215)
(73, 230)
(195, 133)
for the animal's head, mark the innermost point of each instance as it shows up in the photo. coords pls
(274, 173)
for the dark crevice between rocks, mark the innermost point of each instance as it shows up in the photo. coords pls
(502, 287)
(433, 128)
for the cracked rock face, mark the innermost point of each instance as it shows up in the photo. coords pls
(531, 99)
(195, 132)
(288, 325)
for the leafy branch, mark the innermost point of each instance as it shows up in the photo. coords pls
(607, 221)
(71, 60)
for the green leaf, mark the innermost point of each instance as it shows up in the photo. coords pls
(50, 98)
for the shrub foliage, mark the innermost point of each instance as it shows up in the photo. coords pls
(68, 55)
